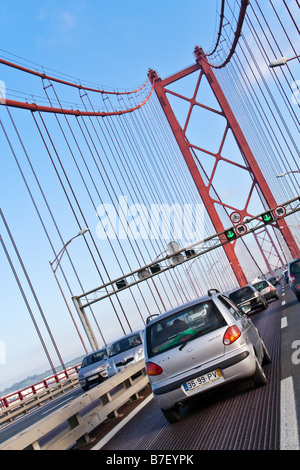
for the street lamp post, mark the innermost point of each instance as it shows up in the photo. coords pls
(287, 173)
(54, 266)
(281, 61)
(187, 270)
(59, 256)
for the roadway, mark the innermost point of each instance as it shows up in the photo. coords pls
(238, 416)
(234, 417)
(33, 417)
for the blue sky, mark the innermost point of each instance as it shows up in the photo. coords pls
(112, 44)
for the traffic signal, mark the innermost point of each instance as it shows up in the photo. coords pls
(267, 217)
(230, 234)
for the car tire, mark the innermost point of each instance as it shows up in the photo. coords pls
(172, 415)
(266, 356)
(259, 378)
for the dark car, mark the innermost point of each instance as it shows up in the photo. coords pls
(274, 280)
(248, 296)
(294, 276)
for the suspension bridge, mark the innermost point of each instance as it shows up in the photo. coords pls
(133, 167)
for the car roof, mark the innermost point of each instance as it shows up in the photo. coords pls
(293, 261)
(240, 288)
(158, 317)
(98, 350)
(126, 336)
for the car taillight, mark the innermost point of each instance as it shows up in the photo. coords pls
(272, 288)
(153, 369)
(231, 335)
(292, 278)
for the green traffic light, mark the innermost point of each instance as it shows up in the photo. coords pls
(230, 234)
(267, 217)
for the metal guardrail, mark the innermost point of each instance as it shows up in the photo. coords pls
(23, 401)
(72, 423)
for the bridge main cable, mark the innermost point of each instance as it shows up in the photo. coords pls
(49, 109)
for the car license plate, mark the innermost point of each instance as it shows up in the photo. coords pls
(93, 377)
(203, 380)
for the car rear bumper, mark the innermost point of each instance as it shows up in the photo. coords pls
(295, 286)
(235, 367)
(255, 302)
(271, 295)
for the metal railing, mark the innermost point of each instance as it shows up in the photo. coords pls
(71, 424)
(22, 401)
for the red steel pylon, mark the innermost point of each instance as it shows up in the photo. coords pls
(189, 151)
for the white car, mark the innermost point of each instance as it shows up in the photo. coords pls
(266, 289)
(124, 352)
(93, 368)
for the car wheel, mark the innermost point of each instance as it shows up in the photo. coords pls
(298, 297)
(172, 415)
(259, 377)
(266, 356)
(85, 387)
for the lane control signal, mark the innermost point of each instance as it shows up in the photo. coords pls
(267, 218)
(230, 234)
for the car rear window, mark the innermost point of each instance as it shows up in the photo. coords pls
(174, 330)
(295, 267)
(261, 285)
(242, 294)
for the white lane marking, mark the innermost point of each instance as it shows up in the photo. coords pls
(284, 322)
(283, 302)
(53, 407)
(289, 437)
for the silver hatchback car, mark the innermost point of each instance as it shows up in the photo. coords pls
(198, 346)
(266, 289)
(125, 351)
(93, 368)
